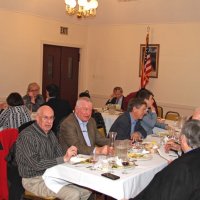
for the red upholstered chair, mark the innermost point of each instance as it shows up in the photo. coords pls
(127, 99)
(7, 139)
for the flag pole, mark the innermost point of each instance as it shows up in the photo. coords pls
(142, 85)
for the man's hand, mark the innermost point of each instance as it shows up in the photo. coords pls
(105, 150)
(136, 136)
(71, 151)
(171, 144)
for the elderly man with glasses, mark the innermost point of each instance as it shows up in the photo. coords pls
(37, 149)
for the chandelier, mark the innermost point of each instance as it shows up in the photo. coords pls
(84, 8)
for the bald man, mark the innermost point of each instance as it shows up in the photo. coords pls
(37, 149)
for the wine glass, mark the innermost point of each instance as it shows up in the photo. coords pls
(125, 163)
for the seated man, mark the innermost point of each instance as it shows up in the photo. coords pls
(116, 97)
(133, 95)
(95, 114)
(60, 106)
(128, 124)
(181, 178)
(80, 130)
(37, 149)
(149, 121)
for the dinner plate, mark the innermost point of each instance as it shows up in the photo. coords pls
(162, 134)
(80, 159)
(139, 156)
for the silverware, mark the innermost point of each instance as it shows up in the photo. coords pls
(77, 163)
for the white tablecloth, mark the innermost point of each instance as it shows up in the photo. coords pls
(109, 119)
(129, 185)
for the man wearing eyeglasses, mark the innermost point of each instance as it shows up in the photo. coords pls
(79, 129)
(37, 149)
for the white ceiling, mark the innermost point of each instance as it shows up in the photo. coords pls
(114, 11)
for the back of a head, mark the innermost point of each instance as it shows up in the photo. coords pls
(14, 99)
(53, 90)
(84, 94)
(135, 102)
(144, 94)
(191, 130)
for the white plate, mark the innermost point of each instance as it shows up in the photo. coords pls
(139, 156)
(79, 158)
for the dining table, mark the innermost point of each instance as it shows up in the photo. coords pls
(109, 118)
(127, 186)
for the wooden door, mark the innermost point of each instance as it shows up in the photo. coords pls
(61, 67)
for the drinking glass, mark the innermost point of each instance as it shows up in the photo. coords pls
(112, 136)
(94, 160)
(125, 163)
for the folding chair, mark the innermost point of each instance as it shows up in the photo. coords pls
(160, 111)
(171, 115)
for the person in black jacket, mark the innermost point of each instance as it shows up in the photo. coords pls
(180, 180)
(128, 124)
(60, 107)
(116, 97)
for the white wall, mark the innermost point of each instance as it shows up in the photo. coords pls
(109, 57)
(114, 61)
(21, 50)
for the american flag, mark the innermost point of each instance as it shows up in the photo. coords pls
(146, 65)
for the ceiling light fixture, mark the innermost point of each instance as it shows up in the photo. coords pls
(82, 8)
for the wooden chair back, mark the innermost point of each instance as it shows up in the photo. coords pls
(160, 111)
(171, 115)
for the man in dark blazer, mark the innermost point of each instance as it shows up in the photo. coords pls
(80, 130)
(117, 97)
(60, 107)
(128, 125)
(180, 180)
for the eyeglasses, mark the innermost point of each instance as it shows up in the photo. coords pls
(34, 90)
(46, 119)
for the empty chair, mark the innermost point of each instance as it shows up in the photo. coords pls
(171, 115)
(160, 111)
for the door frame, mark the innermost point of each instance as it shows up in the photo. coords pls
(82, 83)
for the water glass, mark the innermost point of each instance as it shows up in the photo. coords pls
(112, 136)
(94, 160)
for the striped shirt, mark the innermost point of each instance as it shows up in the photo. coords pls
(37, 151)
(14, 117)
